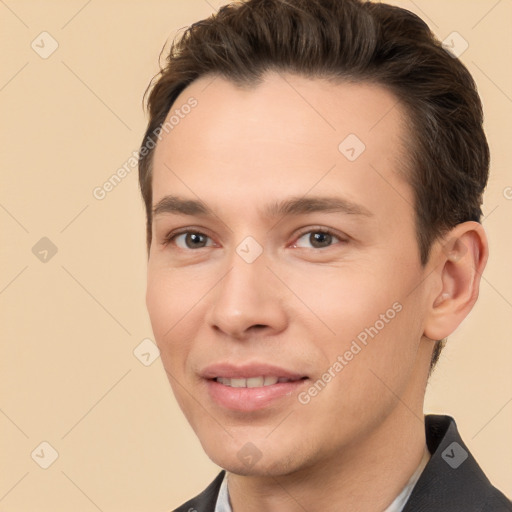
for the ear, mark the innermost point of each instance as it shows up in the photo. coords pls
(461, 257)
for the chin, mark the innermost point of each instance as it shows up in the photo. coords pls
(272, 468)
(259, 459)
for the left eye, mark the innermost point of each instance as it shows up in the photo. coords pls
(316, 239)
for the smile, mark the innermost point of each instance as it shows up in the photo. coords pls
(253, 382)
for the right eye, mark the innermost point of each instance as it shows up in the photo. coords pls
(189, 240)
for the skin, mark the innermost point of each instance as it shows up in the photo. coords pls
(298, 305)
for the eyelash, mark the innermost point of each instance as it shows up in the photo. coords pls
(174, 234)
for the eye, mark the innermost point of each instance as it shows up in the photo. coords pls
(189, 240)
(316, 239)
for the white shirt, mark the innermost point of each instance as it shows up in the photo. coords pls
(223, 504)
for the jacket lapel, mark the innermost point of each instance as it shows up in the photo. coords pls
(204, 502)
(452, 480)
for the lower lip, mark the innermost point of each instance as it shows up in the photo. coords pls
(251, 399)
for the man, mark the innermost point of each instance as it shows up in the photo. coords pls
(313, 174)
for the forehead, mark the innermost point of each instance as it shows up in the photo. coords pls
(304, 106)
(287, 134)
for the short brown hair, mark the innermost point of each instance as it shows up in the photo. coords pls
(348, 40)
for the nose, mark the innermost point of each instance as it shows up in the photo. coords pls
(248, 300)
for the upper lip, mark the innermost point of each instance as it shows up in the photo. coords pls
(246, 371)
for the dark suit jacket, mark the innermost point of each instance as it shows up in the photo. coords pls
(452, 481)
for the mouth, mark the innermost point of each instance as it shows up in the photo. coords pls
(251, 387)
(254, 382)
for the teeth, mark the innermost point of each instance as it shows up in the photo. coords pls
(269, 381)
(255, 382)
(238, 383)
(252, 382)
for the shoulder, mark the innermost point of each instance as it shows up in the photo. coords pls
(452, 479)
(497, 502)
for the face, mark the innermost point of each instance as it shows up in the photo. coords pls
(285, 288)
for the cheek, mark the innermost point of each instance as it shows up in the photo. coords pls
(159, 302)
(171, 296)
(345, 300)
(170, 305)
(174, 307)
(367, 362)
(167, 308)
(364, 311)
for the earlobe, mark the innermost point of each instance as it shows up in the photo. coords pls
(461, 258)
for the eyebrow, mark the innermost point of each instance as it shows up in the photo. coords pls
(291, 206)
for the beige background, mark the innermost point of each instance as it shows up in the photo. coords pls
(70, 325)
